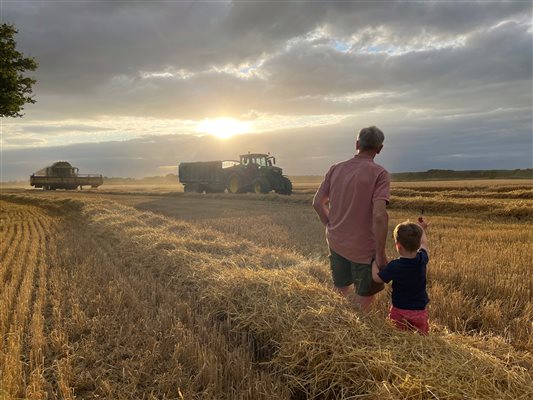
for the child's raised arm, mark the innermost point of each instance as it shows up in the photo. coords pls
(424, 239)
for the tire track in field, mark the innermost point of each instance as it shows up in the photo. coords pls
(7, 235)
(14, 245)
(9, 279)
(35, 342)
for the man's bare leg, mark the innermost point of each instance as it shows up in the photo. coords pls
(345, 291)
(364, 302)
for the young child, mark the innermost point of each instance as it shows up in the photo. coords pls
(408, 276)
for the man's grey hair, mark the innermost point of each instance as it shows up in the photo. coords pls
(370, 138)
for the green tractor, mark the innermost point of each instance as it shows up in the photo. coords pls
(254, 173)
(257, 173)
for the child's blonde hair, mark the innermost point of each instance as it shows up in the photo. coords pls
(408, 234)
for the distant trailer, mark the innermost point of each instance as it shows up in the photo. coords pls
(62, 175)
(209, 176)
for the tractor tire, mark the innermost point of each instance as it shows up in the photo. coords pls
(235, 184)
(261, 186)
(287, 187)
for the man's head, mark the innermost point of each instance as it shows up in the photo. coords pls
(370, 140)
(407, 235)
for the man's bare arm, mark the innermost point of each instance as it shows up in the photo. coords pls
(321, 206)
(380, 224)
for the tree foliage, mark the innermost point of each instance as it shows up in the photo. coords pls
(15, 88)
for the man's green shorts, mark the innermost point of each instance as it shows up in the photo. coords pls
(346, 272)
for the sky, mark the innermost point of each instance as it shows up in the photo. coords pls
(133, 88)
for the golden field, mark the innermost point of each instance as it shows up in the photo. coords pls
(150, 293)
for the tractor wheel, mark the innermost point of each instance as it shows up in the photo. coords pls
(235, 184)
(261, 185)
(287, 187)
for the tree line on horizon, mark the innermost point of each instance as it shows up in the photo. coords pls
(446, 174)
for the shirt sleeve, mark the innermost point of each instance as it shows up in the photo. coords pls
(382, 188)
(424, 257)
(388, 273)
(325, 185)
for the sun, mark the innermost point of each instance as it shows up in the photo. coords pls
(223, 128)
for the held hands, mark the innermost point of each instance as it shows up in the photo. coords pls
(381, 260)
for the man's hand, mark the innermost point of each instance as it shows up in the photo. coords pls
(375, 270)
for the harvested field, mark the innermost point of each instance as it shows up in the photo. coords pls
(164, 295)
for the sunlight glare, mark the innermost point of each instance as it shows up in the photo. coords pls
(223, 128)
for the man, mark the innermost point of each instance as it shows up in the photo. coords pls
(351, 202)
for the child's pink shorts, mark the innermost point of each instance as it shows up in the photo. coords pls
(410, 319)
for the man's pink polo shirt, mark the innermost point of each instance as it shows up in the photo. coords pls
(352, 187)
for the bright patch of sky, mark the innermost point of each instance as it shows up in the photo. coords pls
(380, 41)
(242, 71)
(17, 135)
(376, 40)
(167, 73)
(341, 46)
(356, 97)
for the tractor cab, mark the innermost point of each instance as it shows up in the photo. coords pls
(260, 160)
